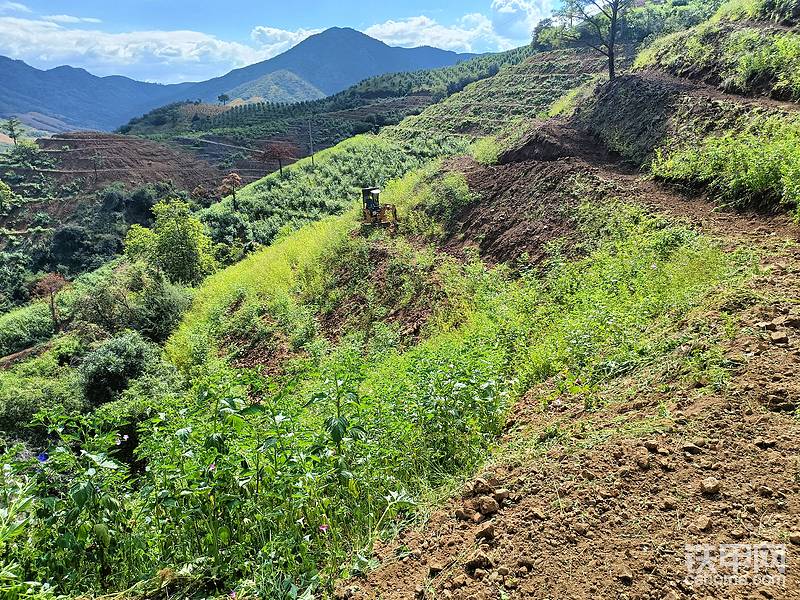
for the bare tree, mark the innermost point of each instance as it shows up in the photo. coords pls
(596, 24)
(280, 151)
(48, 288)
(97, 163)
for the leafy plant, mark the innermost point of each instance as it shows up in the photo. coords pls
(177, 244)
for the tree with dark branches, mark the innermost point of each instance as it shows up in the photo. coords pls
(596, 24)
(48, 288)
(230, 184)
(280, 151)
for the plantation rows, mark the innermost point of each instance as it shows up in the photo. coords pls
(525, 90)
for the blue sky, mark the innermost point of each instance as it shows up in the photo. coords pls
(178, 40)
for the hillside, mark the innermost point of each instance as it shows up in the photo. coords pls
(569, 371)
(279, 86)
(74, 197)
(235, 136)
(66, 98)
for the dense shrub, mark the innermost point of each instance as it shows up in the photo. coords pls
(25, 327)
(135, 298)
(107, 371)
(177, 244)
(45, 382)
(15, 279)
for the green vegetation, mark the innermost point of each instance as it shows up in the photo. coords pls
(786, 12)
(43, 237)
(254, 435)
(177, 245)
(756, 167)
(274, 481)
(739, 59)
(505, 103)
(307, 192)
(278, 86)
(362, 108)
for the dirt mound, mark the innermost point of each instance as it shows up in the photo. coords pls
(554, 139)
(98, 159)
(393, 288)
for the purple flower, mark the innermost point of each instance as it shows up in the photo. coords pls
(42, 457)
(324, 528)
(212, 467)
(233, 594)
(125, 437)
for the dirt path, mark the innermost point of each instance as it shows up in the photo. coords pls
(613, 503)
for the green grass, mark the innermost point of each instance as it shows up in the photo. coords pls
(743, 59)
(506, 102)
(306, 193)
(755, 167)
(779, 11)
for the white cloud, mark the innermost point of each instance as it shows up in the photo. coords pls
(510, 24)
(273, 41)
(468, 34)
(515, 19)
(166, 56)
(70, 19)
(13, 7)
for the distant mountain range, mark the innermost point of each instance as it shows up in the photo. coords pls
(66, 98)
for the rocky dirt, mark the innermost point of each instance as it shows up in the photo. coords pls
(519, 209)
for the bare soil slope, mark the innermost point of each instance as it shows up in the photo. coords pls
(131, 160)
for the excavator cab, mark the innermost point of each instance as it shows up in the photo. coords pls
(376, 213)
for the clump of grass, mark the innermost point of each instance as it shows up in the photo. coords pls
(486, 150)
(566, 104)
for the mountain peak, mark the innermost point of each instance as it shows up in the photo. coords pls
(322, 64)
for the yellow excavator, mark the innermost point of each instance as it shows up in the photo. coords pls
(376, 213)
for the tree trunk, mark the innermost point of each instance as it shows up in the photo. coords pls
(612, 40)
(54, 313)
(612, 72)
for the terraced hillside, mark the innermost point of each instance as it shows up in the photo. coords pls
(265, 206)
(101, 158)
(571, 371)
(512, 98)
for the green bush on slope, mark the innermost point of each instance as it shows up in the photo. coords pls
(757, 167)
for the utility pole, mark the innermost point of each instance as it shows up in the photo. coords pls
(311, 142)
